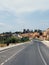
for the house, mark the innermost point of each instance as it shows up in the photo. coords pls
(30, 35)
(44, 35)
(47, 33)
(35, 35)
(16, 35)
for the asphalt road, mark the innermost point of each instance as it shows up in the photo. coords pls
(33, 53)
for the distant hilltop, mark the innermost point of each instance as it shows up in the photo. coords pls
(37, 33)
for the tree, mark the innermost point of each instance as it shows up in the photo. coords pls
(24, 30)
(31, 31)
(27, 31)
(40, 32)
(35, 30)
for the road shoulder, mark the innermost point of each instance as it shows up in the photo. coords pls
(45, 43)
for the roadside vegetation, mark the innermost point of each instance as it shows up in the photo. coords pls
(7, 38)
(12, 40)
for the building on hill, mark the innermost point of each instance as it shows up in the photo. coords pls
(44, 35)
(47, 33)
(16, 35)
(35, 35)
(30, 35)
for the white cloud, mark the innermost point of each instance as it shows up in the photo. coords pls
(12, 10)
(2, 24)
(19, 6)
(5, 25)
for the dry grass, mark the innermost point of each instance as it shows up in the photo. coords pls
(3, 45)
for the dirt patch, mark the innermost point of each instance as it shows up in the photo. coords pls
(3, 45)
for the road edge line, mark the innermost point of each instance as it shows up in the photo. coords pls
(11, 57)
(41, 56)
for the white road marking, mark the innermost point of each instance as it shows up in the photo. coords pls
(11, 57)
(42, 56)
(4, 51)
(11, 47)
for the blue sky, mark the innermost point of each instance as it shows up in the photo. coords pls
(16, 15)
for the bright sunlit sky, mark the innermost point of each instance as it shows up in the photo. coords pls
(17, 15)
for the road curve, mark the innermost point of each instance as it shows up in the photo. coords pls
(35, 53)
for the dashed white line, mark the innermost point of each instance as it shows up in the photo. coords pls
(42, 56)
(11, 57)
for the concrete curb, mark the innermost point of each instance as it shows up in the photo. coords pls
(10, 46)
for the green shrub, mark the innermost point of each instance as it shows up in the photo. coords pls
(12, 40)
(24, 39)
(15, 40)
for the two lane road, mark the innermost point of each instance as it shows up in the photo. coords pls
(33, 53)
